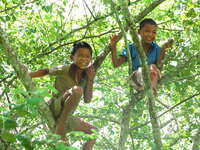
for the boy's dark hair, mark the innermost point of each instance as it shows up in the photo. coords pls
(81, 44)
(147, 21)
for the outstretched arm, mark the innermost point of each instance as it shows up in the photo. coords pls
(89, 85)
(116, 61)
(39, 73)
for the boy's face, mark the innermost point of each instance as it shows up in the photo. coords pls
(148, 33)
(82, 58)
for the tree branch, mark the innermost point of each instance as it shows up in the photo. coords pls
(22, 73)
(148, 9)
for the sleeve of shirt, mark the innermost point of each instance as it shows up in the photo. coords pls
(57, 70)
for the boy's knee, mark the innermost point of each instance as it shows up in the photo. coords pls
(77, 91)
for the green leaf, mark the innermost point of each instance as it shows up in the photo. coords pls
(42, 92)
(21, 113)
(8, 137)
(1, 123)
(47, 8)
(25, 141)
(4, 1)
(34, 100)
(7, 18)
(10, 124)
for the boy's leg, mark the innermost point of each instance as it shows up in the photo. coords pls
(154, 75)
(76, 124)
(71, 99)
(136, 79)
(87, 128)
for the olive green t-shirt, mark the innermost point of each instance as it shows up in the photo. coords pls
(63, 81)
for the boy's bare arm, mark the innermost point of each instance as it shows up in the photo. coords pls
(89, 86)
(116, 61)
(165, 46)
(39, 73)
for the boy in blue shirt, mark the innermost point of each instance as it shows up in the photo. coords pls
(154, 53)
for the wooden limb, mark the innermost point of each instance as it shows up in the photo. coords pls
(99, 60)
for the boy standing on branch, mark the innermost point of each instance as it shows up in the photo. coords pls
(67, 83)
(154, 53)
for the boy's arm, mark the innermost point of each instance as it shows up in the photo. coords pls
(165, 46)
(89, 85)
(39, 73)
(116, 61)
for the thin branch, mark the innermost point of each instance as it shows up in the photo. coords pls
(50, 45)
(10, 75)
(73, 31)
(109, 142)
(68, 43)
(186, 77)
(162, 114)
(7, 9)
(89, 9)
(45, 28)
(168, 77)
(68, 15)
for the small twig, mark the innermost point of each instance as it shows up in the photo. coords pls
(89, 9)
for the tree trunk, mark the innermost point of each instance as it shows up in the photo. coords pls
(196, 141)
